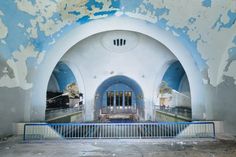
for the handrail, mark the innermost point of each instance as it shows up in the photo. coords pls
(101, 123)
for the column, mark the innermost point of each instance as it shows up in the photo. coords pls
(123, 101)
(114, 101)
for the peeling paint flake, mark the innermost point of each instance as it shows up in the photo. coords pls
(6, 81)
(225, 21)
(234, 40)
(84, 11)
(4, 42)
(142, 17)
(19, 67)
(1, 13)
(3, 28)
(232, 71)
(91, 4)
(26, 6)
(231, 55)
(20, 25)
(40, 57)
(206, 3)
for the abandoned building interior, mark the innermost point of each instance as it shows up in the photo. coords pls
(143, 68)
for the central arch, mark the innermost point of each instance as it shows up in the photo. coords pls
(119, 84)
(115, 23)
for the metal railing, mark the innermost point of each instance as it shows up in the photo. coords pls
(119, 130)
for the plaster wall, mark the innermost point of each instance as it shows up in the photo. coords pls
(13, 104)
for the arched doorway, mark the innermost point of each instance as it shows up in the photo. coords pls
(119, 97)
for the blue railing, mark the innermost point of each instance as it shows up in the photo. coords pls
(119, 130)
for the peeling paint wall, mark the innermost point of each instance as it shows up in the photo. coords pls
(18, 66)
(201, 27)
(207, 28)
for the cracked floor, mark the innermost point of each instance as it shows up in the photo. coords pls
(119, 148)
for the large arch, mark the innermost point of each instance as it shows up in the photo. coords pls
(116, 23)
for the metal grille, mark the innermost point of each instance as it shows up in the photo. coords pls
(119, 42)
(119, 130)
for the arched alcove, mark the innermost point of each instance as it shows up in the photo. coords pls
(115, 86)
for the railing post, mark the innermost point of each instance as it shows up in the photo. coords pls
(24, 136)
(214, 131)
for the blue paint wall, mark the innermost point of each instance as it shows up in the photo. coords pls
(20, 36)
(49, 25)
